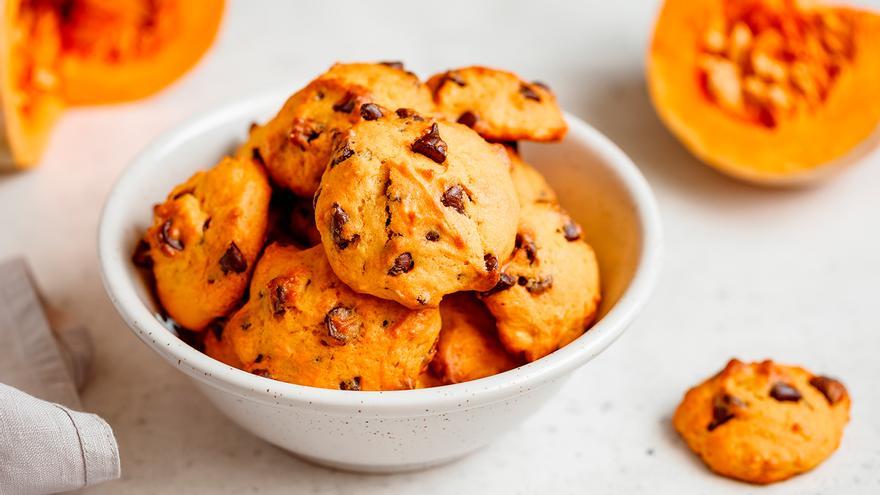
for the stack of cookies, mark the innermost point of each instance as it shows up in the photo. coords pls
(379, 233)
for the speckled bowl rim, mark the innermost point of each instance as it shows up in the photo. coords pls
(121, 289)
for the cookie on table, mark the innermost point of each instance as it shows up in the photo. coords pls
(205, 239)
(763, 422)
(468, 348)
(498, 104)
(296, 144)
(411, 209)
(302, 325)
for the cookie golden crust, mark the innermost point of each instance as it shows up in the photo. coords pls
(468, 348)
(302, 325)
(296, 144)
(763, 422)
(205, 239)
(412, 209)
(548, 293)
(498, 104)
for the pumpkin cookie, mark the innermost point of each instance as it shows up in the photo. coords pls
(295, 145)
(205, 238)
(411, 209)
(303, 325)
(219, 348)
(498, 104)
(763, 422)
(548, 292)
(468, 348)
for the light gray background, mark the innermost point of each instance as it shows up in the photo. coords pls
(792, 275)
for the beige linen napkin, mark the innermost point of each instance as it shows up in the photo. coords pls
(46, 446)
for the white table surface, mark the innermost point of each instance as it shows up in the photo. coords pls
(792, 275)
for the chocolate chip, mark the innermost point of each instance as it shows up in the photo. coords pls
(453, 198)
(468, 118)
(432, 236)
(259, 358)
(168, 237)
(232, 260)
(402, 264)
(394, 64)
(784, 392)
(353, 384)
(526, 243)
(263, 373)
(491, 262)
(302, 133)
(245, 325)
(278, 297)
(571, 230)
(370, 111)
(431, 145)
(342, 324)
(528, 92)
(257, 156)
(724, 409)
(141, 256)
(342, 154)
(539, 285)
(206, 224)
(505, 282)
(406, 113)
(453, 76)
(346, 104)
(337, 222)
(833, 390)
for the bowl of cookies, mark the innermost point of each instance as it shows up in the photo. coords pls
(380, 273)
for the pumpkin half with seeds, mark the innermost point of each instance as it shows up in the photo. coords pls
(60, 53)
(775, 92)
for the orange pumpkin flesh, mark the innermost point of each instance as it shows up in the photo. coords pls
(770, 91)
(59, 53)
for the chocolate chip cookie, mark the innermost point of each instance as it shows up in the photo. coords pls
(205, 239)
(763, 422)
(468, 348)
(498, 104)
(411, 209)
(302, 325)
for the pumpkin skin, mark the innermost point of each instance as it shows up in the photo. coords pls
(797, 149)
(56, 54)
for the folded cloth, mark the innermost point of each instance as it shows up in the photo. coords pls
(46, 446)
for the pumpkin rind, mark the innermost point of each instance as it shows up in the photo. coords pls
(797, 150)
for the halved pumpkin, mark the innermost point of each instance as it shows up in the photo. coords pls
(771, 91)
(60, 53)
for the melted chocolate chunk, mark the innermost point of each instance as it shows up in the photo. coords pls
(431, 145)
(505, 282)
(259, 358)
(453, 198)
(784, 392)
(346, 104)
(539, 285)
(833, 390)
(528, 245)
(167, 237)
(724, 409)
(528, 92)
(278, 297)
(491, 262)
(353, 384)
(141, 256)
(406, 113)
(342, 154)
(337, 223)
(432, 236)
(370, 111)
(402, 264)
(571, 231)
(468, 118)
(342, 324)
(302, 133)
(232, 260)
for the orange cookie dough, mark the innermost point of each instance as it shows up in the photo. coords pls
(411, 209)
(498, 104)
(763, 422)
(468, 348)
(205, 239)
(295, 145)
(303, 325)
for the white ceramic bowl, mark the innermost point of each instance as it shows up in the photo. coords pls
(398, 430)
